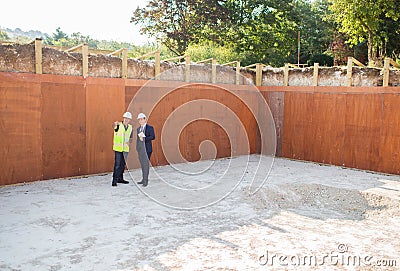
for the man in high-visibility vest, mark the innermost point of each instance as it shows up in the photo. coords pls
(122, 139)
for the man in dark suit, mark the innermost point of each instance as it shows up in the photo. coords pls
(144, 147)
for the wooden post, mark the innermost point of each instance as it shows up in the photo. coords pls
(349, 76)
(38, 56)
(316, 66)
(258, 74)
(286, 75)
(213, 71)
(356, 62)
(124, 63)
(386, 72)
(238, 73)
(187, 68)
(157, 64)
(394, 63)
(85, 60)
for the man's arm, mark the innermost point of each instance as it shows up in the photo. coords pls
(116, 126)
(131, 137)
(151, 135)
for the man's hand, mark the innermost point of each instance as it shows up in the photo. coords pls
(115, 124)
(141, 136)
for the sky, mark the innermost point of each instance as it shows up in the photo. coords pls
(108, 20)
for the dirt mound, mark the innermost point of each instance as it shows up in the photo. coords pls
(331, 202)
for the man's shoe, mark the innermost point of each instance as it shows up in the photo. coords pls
(144, 184)
(122, 181)
(140, 182)
(114, 184)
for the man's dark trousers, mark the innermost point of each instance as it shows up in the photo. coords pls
(119, 166)
(144, 159)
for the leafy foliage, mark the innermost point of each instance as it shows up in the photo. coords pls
(322, 59)
(368, 21)
(3, 36)
(206, 50)
(264, 31)
(252, 30)
(177, 23)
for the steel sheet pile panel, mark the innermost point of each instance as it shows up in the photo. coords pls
(297, 125)
(20, 133)
(199, 131)
(362, 132)
(132, 86)
(325, 137)
(193, 133)
(130, 92)
(354, 127)
(389, 155)
(63, 126)
(105, 103)
(276, 102)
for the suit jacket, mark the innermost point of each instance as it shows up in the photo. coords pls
(150, 135)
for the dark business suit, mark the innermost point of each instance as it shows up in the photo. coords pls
(145, 149)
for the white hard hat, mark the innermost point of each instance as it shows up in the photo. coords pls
(141, 116)
(127, 115)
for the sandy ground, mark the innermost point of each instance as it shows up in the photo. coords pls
(306, 217)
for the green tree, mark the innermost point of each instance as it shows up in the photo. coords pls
(4, 36)
(206, 50)
(253, 30)
(262, 31)
(317, 30)
(365, 20)
(177, 23)
(57, 37)
(390, 37)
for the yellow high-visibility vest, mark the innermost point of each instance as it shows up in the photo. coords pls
(121, 138)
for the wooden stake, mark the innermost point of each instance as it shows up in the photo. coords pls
(316, 66)
(124, 63)
(157, 67)
(349, 76)
(386, 72)
(38, 56)
(214, 71)
(258, 74)
(85, 60)
(394, 63)
(356, 62)
(238, 73)
(286, 75)
(187, 68)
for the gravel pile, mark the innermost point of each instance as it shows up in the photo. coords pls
(332, 202)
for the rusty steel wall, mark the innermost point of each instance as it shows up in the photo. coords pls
(355, 127)
(196, 132)
(55, 126)
(20, 132)
(389, 152)
(63, 126)
(105, 103)
(211, 131)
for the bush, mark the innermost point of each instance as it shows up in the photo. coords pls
(322, 59)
